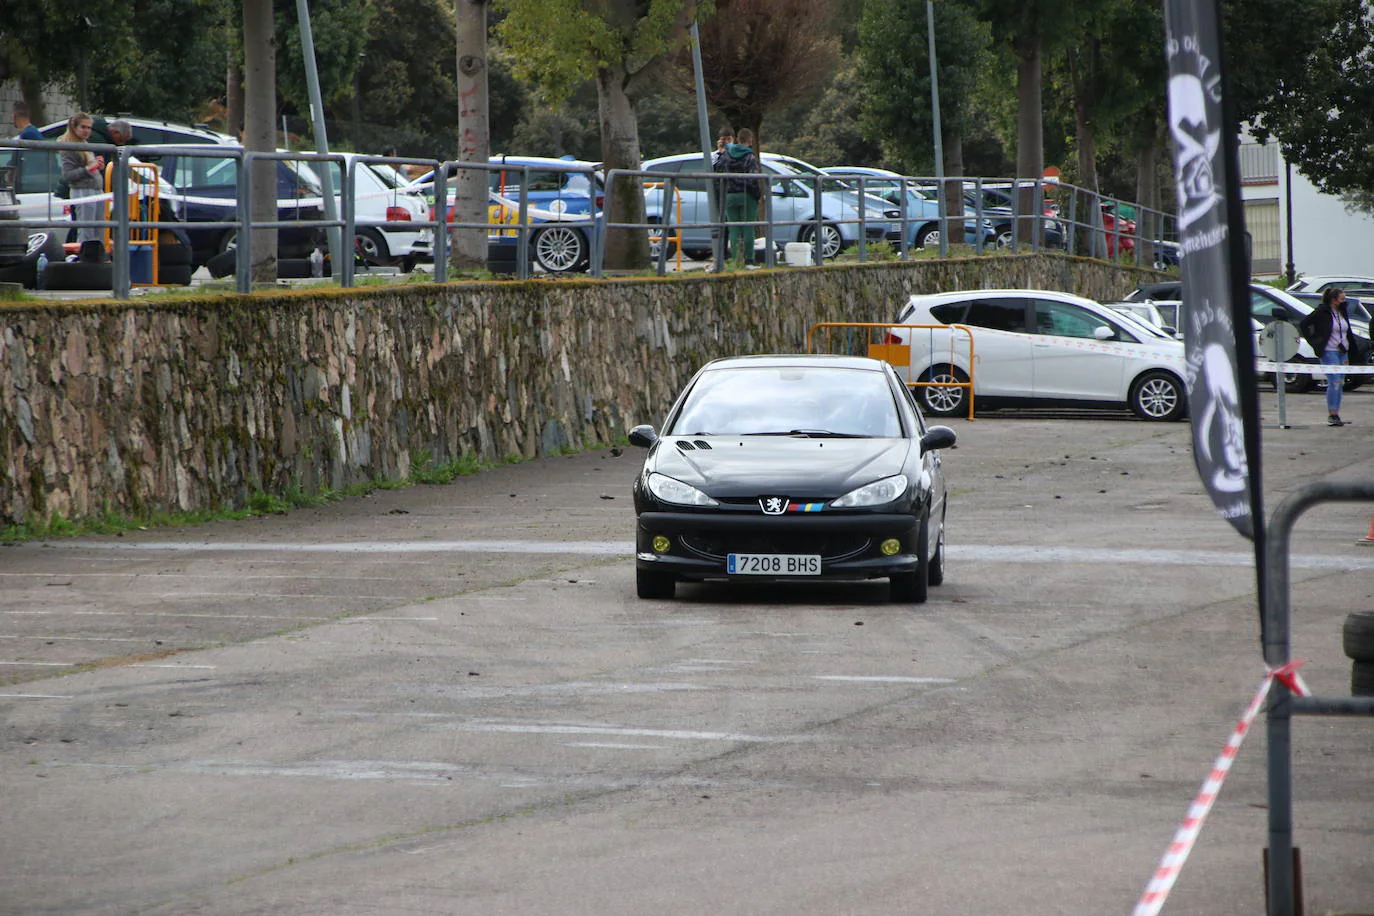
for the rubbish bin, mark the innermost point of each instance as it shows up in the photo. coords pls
(141, 264)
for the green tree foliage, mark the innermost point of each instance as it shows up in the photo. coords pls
(146, 58)
(894, 75)
(622, 45)
(339, 30)
(1325, 120)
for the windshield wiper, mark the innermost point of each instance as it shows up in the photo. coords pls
(810, 434)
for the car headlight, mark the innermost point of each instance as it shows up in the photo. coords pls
(887, 490)
(672, 490)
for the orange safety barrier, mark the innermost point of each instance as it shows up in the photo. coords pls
(899, 354)
(143, 187)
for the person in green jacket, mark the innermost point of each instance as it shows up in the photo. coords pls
(741, 195)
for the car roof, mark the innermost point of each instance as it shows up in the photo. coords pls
(102, 121)
(779, 360)
(860, 170)
(954, 296)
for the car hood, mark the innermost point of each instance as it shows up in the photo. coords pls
(727, 467)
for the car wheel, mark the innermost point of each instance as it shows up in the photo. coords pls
(1362, 679)
(84, 275)
(370, 247)
(651, 584)
(831, 240)
(560, 249)
(228, 242)
(928, 237)
(914, 587)
(935, 575)
(939, 401)
(1158, 395)
(1298, 382)
(698, 254)
(1354, 381)
(1004, 237)
(1357, 636)
(48, 243)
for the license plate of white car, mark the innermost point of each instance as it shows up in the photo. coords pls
(772, 564)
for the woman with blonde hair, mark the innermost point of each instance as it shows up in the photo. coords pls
(84, 173)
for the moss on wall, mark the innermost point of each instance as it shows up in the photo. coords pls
(199, 403)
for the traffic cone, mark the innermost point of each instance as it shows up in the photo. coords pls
(1368, 538)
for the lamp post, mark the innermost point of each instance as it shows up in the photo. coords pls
(935, 127)
(1288, 217)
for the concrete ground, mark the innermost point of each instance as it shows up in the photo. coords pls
(447, 699)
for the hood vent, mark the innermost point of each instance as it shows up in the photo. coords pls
(693, 446)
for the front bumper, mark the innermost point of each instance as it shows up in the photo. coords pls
(847, 544)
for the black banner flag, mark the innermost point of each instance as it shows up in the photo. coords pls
(1219, 342)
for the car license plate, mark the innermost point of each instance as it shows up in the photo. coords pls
(772, 564)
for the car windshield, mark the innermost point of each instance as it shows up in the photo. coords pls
(789, 400)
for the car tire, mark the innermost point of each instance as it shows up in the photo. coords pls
(370, 247)
(294, 269)
(174, 275)
(1362, 679)
(928, 236)
(1297, 382)
(1159, 395)
(1357, 636)
(223, 264)
(914, 587)
(173, 255)
(943, 402)
(229, 241)
(832, 243)
(652, 584)
(560, 249)
(49, 243)
(935, 574)
(83, 275)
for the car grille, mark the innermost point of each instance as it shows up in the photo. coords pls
(829, 545)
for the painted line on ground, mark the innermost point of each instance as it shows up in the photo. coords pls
(880, 679)
(35, 696)
(964, 552)
(560, 729)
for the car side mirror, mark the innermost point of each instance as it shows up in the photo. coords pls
(936, 438)
(1102, 332)
(643, 436)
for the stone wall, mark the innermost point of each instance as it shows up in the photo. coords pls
(164, 405)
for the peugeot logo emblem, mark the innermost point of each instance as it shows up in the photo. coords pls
(773, 505)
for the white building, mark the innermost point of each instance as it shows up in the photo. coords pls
(1327, 239)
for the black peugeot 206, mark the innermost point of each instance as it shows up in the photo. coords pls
(797, 468)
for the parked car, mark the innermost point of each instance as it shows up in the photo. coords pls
(1037, 347)
(792, 468)
(791, 200)
(1149, 313)
(190, 183)
(922, 205)
(1267, 304)
(995, 203)
(379, 199)
(1317, 284)
(1118, 228)
(555, 191)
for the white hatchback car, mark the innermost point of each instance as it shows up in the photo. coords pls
(379, 199)
(1037, 347)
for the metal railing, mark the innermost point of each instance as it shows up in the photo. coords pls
(832, 213)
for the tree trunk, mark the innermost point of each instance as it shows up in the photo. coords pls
(954, 184)
(474, 137)
(1082, 69)
(31, 87)
(259, 134)
(233, 97)
(1030, 140)
(1148, 150)
(626, 248)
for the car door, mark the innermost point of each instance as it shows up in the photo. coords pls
(689, 203)
(1071, 362)
(1002, 361)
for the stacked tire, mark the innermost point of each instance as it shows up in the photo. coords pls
(1357, 639)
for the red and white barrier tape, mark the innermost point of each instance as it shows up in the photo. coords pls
(1157, 891)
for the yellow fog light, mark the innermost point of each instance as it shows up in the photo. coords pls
(890, 546)
(661, 544)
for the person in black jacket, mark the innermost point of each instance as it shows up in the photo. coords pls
(1327, 329)
(741, 194)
